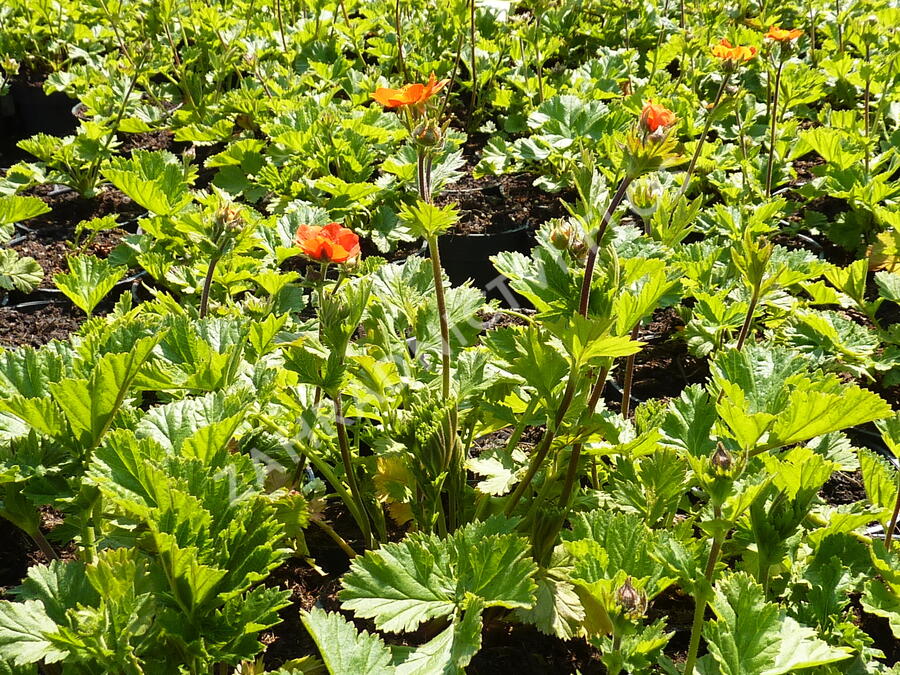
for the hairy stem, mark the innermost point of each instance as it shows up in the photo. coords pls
(866, 97)
(398, 30)
(892, 524)
(595, 245)
(772, 129)
(474, 65)
(281, 26)
(335, 537)
(629, 376)
(435, 255)
(748, 320)
(697, 150)
(207, 283)
(344, 444)
(701, 602)
(43, 544)
(543, 449)
(572, 471)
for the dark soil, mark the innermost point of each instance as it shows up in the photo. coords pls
(52, 254)
(879, 629)
(69, 208)
(677, 609)
(524, 650)
(38, 323)
(161, 139)
(663, 367)
(14, 556)
(498, 204)
(843, 488)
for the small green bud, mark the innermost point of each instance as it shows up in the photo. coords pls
(567, 236)
(644, 195)
(428, 135)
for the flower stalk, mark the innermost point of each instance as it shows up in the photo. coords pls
(702, 601)
(773, 126)
(702, 141)
(344, 445)
(892, 523)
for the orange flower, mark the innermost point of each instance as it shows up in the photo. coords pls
(654, 116)
(331, 243)
(726, 52)
(782, 34)
(411, 94)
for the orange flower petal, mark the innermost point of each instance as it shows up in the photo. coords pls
(654, 116)
(410, 94)
(331, 243)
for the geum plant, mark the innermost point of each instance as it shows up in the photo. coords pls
(165, 549)
(729, 460)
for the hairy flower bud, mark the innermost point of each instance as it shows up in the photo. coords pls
(428, 135)
(722, 461)
(644, 194)
(632, 601)
(566, 236)
(229, 218)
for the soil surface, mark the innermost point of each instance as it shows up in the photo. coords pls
(37, 323)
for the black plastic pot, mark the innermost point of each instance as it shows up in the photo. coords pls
(37, 112)
(467, 256)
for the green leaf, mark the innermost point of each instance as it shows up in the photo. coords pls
(451, 650)
(192, 583)
(530, 353)
(588, 340)
(401, 585)
(59, 586)
(816, 413)
(404, 584)
(343, 649)
(688, 423)
(888, 285)
(427, 220)
(19, 273)
(501, 471)
(557, 609)
(606, 543)
(879, 480)
(890, 432)
(155, 180)
(24, 627)
(879, 600)
(41, 414)
(771, 399)
(750, 636)
(16, 208)
(89, 405)
(88, 281)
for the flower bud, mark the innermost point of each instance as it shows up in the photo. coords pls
(566, 236)
(656, 120)
(644, 194)
(722, 461)
(229, 218)
(632, 601)
(428, 135)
